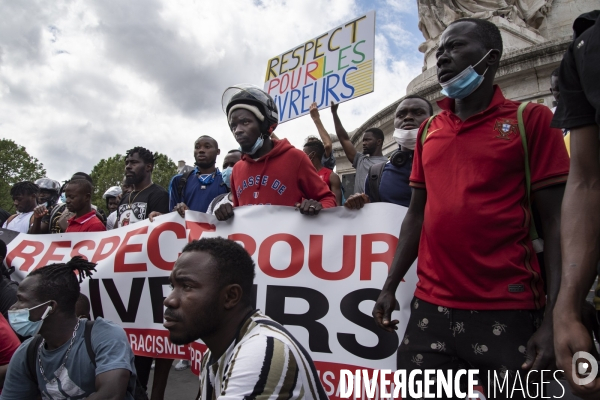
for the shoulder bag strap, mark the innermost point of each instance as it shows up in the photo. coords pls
(87, 335)
(533, 235)
(32, 351)
(424, 134)
(182, 183)
(374, 180)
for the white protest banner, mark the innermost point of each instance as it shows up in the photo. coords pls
(335, 66)
(319, 276)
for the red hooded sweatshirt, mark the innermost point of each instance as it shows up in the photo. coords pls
(282, 177)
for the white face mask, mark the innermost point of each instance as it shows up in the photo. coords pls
(406, 138)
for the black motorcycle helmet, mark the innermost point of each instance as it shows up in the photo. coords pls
(251, 95)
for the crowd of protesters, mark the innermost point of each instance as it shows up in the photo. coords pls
(505, 226)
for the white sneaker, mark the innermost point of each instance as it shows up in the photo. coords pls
(181, 365)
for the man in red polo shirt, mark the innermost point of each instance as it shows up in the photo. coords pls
(9, 343)
(79, 201)
(480, 300)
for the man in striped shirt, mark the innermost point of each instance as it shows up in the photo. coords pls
(250, 356)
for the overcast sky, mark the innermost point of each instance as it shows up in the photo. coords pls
(81, 81)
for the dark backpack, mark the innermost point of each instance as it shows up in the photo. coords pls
(374, 180)
(32, 349)
(182, 182)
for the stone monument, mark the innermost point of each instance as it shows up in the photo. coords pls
(518, 21)
(535, 34)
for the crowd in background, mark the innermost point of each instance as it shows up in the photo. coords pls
(484, 182)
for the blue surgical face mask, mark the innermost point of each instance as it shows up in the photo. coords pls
(226, 175)
(207, 179)
(19, 320)
(464, 83)
(257, 145)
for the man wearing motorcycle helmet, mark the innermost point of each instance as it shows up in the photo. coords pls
(48, 193)
(112, 197)
(46, 200)
(271, 172)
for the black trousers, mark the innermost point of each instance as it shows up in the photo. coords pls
(441, 338)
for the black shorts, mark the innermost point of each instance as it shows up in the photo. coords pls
(443, 338)
(579, 82)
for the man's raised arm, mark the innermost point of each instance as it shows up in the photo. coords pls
(342, 134)
(314, 114)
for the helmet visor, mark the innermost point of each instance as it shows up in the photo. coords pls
(48, 184)
(243, 91)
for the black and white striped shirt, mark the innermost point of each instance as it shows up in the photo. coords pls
(264, 362)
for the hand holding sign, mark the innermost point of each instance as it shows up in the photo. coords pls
(334, 107)
(314, 111)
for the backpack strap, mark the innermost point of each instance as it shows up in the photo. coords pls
(182, 182)
(533, 235)
(139, 393)
(424, 134)
(31, 360)
(87, 335)
(374, 180)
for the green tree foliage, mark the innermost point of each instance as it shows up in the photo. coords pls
(16, 165)
(110, 172)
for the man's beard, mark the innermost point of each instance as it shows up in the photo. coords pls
(201, 325)
(133, 180)
(369, 151)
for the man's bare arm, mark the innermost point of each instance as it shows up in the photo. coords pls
(37, 226)
(580, 234)
(111, 385)
(342, 134)
(336, 187)
(549, 201)
(580, 231)
(540, 347)
(406, 254)
(314, 114)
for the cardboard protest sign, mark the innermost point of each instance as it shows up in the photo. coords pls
(335, 66)
(319, 276)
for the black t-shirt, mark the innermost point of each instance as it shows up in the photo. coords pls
(579, 102)
(136, 206)
(8, 294)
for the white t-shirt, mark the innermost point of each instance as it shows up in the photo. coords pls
(111, 221)
(20, 223)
